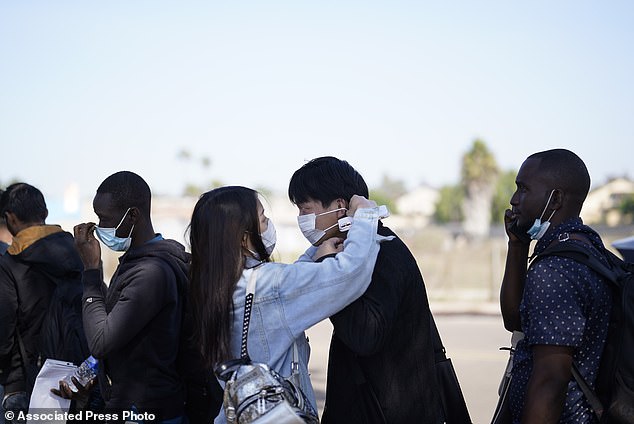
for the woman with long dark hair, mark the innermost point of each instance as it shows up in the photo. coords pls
(230, 237)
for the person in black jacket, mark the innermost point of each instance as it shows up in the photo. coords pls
(133, 326)
(40, 258)
(5, 241)
(381, 363)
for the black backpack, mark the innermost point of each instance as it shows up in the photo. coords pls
(62, 332)
(613, 400)
(203, 394)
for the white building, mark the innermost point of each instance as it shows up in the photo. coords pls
(418, 205)
(602, 203)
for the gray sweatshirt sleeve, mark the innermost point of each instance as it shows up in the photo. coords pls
(142, 296)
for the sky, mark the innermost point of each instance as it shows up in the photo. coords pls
(399, 88)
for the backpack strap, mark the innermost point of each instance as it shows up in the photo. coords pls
(23, 355)
(560, 247)
(29, 378)
(591, 396)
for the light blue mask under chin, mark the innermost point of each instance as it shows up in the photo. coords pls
(539, 228)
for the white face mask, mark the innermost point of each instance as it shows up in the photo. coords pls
(269, 237)
(109, 238)
(539, 228)
(313, 235)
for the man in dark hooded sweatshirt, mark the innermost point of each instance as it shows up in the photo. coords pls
(40, 258)
(133, 326)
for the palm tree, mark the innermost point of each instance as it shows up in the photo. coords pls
(478, 176)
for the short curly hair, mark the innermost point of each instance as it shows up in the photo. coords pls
(128, 190)
(565, 170)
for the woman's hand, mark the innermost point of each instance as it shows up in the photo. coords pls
(359, 202)
(329, 247)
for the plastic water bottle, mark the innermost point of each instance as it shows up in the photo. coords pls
(83, 374)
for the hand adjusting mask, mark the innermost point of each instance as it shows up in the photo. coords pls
(109, 238)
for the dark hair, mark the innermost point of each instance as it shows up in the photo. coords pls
(25, 201)
(127, 190)
(564, 169)
(219, 221)
(326, 179)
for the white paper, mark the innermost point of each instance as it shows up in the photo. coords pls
(48, 378)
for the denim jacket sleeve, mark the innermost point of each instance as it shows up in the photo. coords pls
(311, 292)
(307, 256)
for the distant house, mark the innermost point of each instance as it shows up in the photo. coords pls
(418, 204)
(602, 203)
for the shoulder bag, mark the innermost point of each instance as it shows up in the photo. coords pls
(454, 407)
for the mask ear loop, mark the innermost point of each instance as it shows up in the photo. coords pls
(331, 227)
(121, 222)
(332, 211)
(546, 207)
(327, 212)
(131, 229)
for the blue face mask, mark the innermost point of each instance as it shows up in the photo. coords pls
(539, 228)
(108, 236)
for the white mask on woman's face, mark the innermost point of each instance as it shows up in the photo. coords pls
(307, 226)
(269, 237)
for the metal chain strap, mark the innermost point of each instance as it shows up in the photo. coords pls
(248, 304)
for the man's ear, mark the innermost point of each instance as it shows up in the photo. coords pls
(341, 203)
(10, 219)
(9, 216)
(557, 201)
(14, 225)
(134, 213)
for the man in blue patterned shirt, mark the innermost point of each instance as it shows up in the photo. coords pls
(562, 306)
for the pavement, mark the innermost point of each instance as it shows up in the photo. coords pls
(465, 307)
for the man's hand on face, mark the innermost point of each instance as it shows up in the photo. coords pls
(87, 245)
(359, 202)
(514, 233)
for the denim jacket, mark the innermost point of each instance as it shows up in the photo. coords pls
(290, 298)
